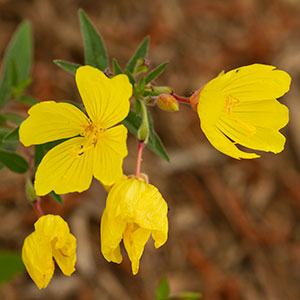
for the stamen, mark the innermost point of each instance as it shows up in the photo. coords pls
(91, 132)
(230, 103)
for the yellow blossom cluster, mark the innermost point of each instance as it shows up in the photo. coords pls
(237, 107)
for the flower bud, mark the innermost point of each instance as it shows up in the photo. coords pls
(142, 66)
(167, 102)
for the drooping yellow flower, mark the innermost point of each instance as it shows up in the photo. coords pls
(134, 211)
(240, 107)
(96, 149)
(51, 239)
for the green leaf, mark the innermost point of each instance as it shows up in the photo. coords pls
(94, 49)
(116, 67)
(137, 106)
(130, 77)
(10, 264)
(13, 161)
(163, 290)
(10, 144)
(155, 142)
(17, 60)
(141, 52)
(133, 122)
(67, 66)
(57, 198)
(12, 135)
(155, 72)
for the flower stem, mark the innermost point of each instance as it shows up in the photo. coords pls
(180, 98)
(139, 158)
(38, 208)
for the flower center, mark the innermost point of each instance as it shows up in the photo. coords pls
(91, 132)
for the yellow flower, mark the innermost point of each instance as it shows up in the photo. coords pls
(51, 238)
(240, 107)
(96, 149)
(134, 210)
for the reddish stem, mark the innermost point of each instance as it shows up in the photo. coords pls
(181, 99)
(38, 208)
(139, 158)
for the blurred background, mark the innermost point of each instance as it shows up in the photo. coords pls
(234, 225)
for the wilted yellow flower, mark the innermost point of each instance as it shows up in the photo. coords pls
(134, 210)
(97, 149)
(51, 238)
(240, 107)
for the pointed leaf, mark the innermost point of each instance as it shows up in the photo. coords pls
(155, 72)
(163, 290)
(12, 135)
(141, 52)
(94, 49)
(56, 197)
(155, 142)
(17, 59)
(130, 77)
(67, 66)
(116, 67)
(13, 161)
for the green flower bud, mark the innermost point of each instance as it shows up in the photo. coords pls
(167, 102)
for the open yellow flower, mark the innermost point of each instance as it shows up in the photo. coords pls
(96, 149)
(240, 107)
(133, 211)
(51, 238)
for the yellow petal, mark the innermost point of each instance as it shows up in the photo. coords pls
(37, 258)
(109, 154)
(160, 236)
(150, 209)
(256, 82)
(112, 229)
(224, 145)
(264, 139)
(106, 100)
(268, 113)
(134, 242)
(65, 168)
(66, 256)
(109, 187)
(53, 227)
(50, 121)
